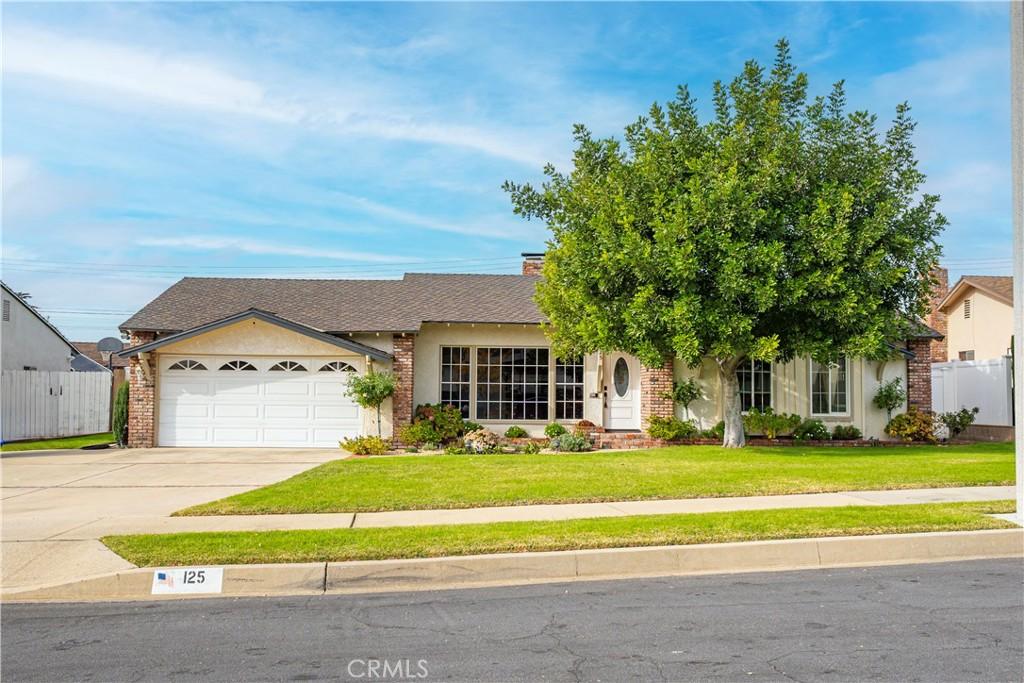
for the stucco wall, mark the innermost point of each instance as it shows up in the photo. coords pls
(428, 366)
(259, 338)
(987, 332)
(25, 341)
(791, 393)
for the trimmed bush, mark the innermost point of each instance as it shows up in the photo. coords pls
(770, 423)
(890, 396)
(366, 445)
(554, 429)
(120, 419)
(846, 433)
(811, 430)
(913, 425)
(468, 426)
(515, 432)
(371, 390)
(446, 420)
(570, 443)
(671, 428)
(418, 433)
(956, 422)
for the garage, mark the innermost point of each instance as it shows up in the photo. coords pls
(256, 401)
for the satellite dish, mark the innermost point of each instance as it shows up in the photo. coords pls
(109, 345)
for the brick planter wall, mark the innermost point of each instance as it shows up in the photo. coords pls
(654, 382)
(141, 397)
(919, 374)
(401, 402)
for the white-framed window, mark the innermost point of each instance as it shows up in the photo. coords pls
(187, 364)
(569, 389)
(755, 380)
(512, 383)
(830, 387)
(337, 366)
(455, 377)
(238, 365)
(288, 366)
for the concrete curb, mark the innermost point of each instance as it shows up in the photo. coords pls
(547, 567)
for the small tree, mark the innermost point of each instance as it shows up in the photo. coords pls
(890, 396)
(782, 227)
(119, 421)
(372, 389)
(684, 393)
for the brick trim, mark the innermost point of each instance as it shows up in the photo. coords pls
(141, 397)
(404, 348)
(919, 374)
(654, 383)
(936, 319)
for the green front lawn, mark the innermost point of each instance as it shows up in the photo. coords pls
(67, 442)
(463, 481)
(338, 545)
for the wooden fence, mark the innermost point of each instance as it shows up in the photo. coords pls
(42, 405)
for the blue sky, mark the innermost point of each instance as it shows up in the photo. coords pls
(144, 142)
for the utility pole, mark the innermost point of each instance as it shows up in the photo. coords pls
(1017, 105)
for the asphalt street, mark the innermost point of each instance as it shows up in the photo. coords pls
(937, 622)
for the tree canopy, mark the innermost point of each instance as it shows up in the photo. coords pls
(783, 226)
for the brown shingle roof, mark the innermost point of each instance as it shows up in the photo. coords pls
(999, 287)
(89, 349)
(346, 305)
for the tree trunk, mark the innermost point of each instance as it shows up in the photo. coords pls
(730, 385)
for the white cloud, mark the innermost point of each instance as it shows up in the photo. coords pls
(30, 191)
(248, 246)
(971, 187)
(952, 78)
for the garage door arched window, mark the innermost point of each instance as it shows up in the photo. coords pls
(337, 366)
(239, 365)
(187, 364)
(288, 366)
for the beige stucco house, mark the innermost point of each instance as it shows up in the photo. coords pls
(979, 317)
(264, 362)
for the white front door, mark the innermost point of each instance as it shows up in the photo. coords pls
(285, 401)
(621, 392)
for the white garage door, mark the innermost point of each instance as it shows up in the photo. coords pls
(269, 402)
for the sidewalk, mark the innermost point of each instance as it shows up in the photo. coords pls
(164, 525)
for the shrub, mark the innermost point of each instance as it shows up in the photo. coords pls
(481, 441)
(811, 430)
(684, 393)
(371, 390)
(445, 419)
(120, 419)
(570, 443)
(366, 445)
(716, 432)
(468, 426)
(554, 429)
(671, 428)
(770, 423)
(956, 422)
(531, 448)
(419, 433)
(515, 432)
(890, 396)
(455, 449)
(846, 433)
(913, 425)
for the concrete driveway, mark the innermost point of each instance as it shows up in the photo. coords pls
(56, 504)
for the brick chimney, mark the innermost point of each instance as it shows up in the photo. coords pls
(532, 262)
(937, 319)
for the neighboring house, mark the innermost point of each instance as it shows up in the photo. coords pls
(116, 363)
(28, 341)
(265, 362)
(978, 314)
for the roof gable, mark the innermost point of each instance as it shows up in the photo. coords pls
(997, 287)
(39, 316)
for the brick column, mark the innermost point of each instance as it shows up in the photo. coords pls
(654, 383)
(937, 319)
(919, 374)
(141, 397)
(401, 402)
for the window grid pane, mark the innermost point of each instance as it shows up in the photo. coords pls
(829, 388)
(569, 389)
(512, 383)
(455, 384)
(755, 382)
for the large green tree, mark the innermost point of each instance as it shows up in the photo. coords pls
(783, 226)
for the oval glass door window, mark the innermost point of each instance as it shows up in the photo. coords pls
(620, 376)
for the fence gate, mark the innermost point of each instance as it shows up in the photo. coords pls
(982, 383)
(37, 404)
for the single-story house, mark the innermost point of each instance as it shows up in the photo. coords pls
(264, 362)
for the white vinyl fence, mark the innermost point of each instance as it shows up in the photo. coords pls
(42, 405)
(969, 383)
